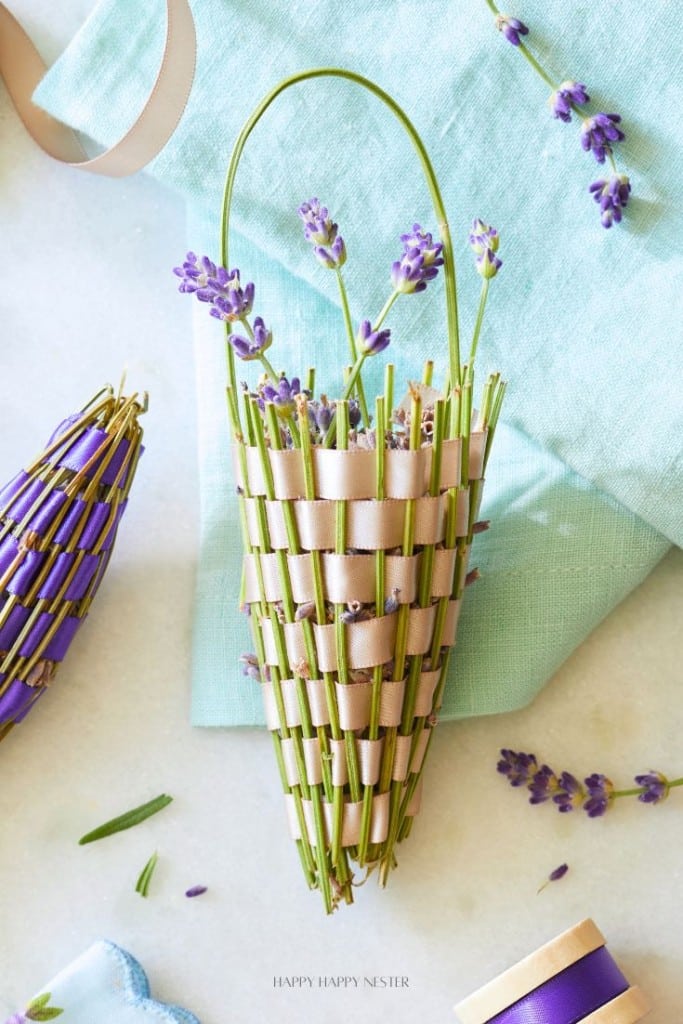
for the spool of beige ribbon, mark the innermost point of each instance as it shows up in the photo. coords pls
(22, 67)
(570, 980)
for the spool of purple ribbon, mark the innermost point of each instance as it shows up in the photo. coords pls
(571, 980)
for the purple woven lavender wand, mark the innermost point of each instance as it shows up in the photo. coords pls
(58, 523)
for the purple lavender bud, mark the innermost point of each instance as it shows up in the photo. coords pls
(488, 264)
(571, 793)
(196, 276)
(612, 194)
(233, 302)
(392, 604)
(600, 790)
(355, 414)
(372, 342)
(519, 768)
(333, 256)
(543, 786)
(482, 237)
(318, 225)
(323, 233)
(599, 132)
(512, 28)
(423, 242)
(247, 349)
(283, 396)
(656, 787)
(196, 890)
(558, 873)
(567, 93)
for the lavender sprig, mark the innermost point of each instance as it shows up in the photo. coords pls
(595, 795)
(600, 132)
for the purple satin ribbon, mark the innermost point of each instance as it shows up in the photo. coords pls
(571, 995)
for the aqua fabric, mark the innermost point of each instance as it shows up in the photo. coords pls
(585, 487)
(106, 985)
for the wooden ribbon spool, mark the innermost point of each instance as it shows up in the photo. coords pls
(572, 974)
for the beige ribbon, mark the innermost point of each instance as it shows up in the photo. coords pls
(352, 475)
(370, 525)
(22, 67)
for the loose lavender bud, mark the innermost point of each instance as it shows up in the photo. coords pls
(571, 793)
(372, 342)
(248, 349)
(392, 604)
(600, 790)
(561, 100)
(612, 194)
(196, 890)
(555, 876)
(512, 28)
(656, 787)
(599, 132)
(355, 611)
(519, 768)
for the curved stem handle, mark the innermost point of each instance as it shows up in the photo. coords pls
(435, 192)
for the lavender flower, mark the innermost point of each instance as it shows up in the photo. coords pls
(567, 93)
(323, 233)
(600, 790)
(482, 237)
(355, 414)
(197, 276)
(372, 342)
(231, 302)
(250, 666)
(656, 787)
(419, 262)
(519, 768)
(543, 785)
(599, 132)
(355, 611)
(612, 194)
(484, 241)
(248, 349)
(320, 415)
(423, 241)
(283, 396)
(571, 793)
(512, 28)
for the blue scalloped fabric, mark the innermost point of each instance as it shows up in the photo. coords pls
(106, 985)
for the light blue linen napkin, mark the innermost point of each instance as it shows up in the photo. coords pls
(582, 321)
(106, 985)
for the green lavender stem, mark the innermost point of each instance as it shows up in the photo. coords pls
(430, 177)
(346, 311)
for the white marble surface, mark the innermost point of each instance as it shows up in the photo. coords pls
(86, 290)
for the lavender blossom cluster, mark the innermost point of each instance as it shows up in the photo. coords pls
(599, 132)
(595, 795)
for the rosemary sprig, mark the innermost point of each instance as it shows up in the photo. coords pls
(145, 877)
(127, 820)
